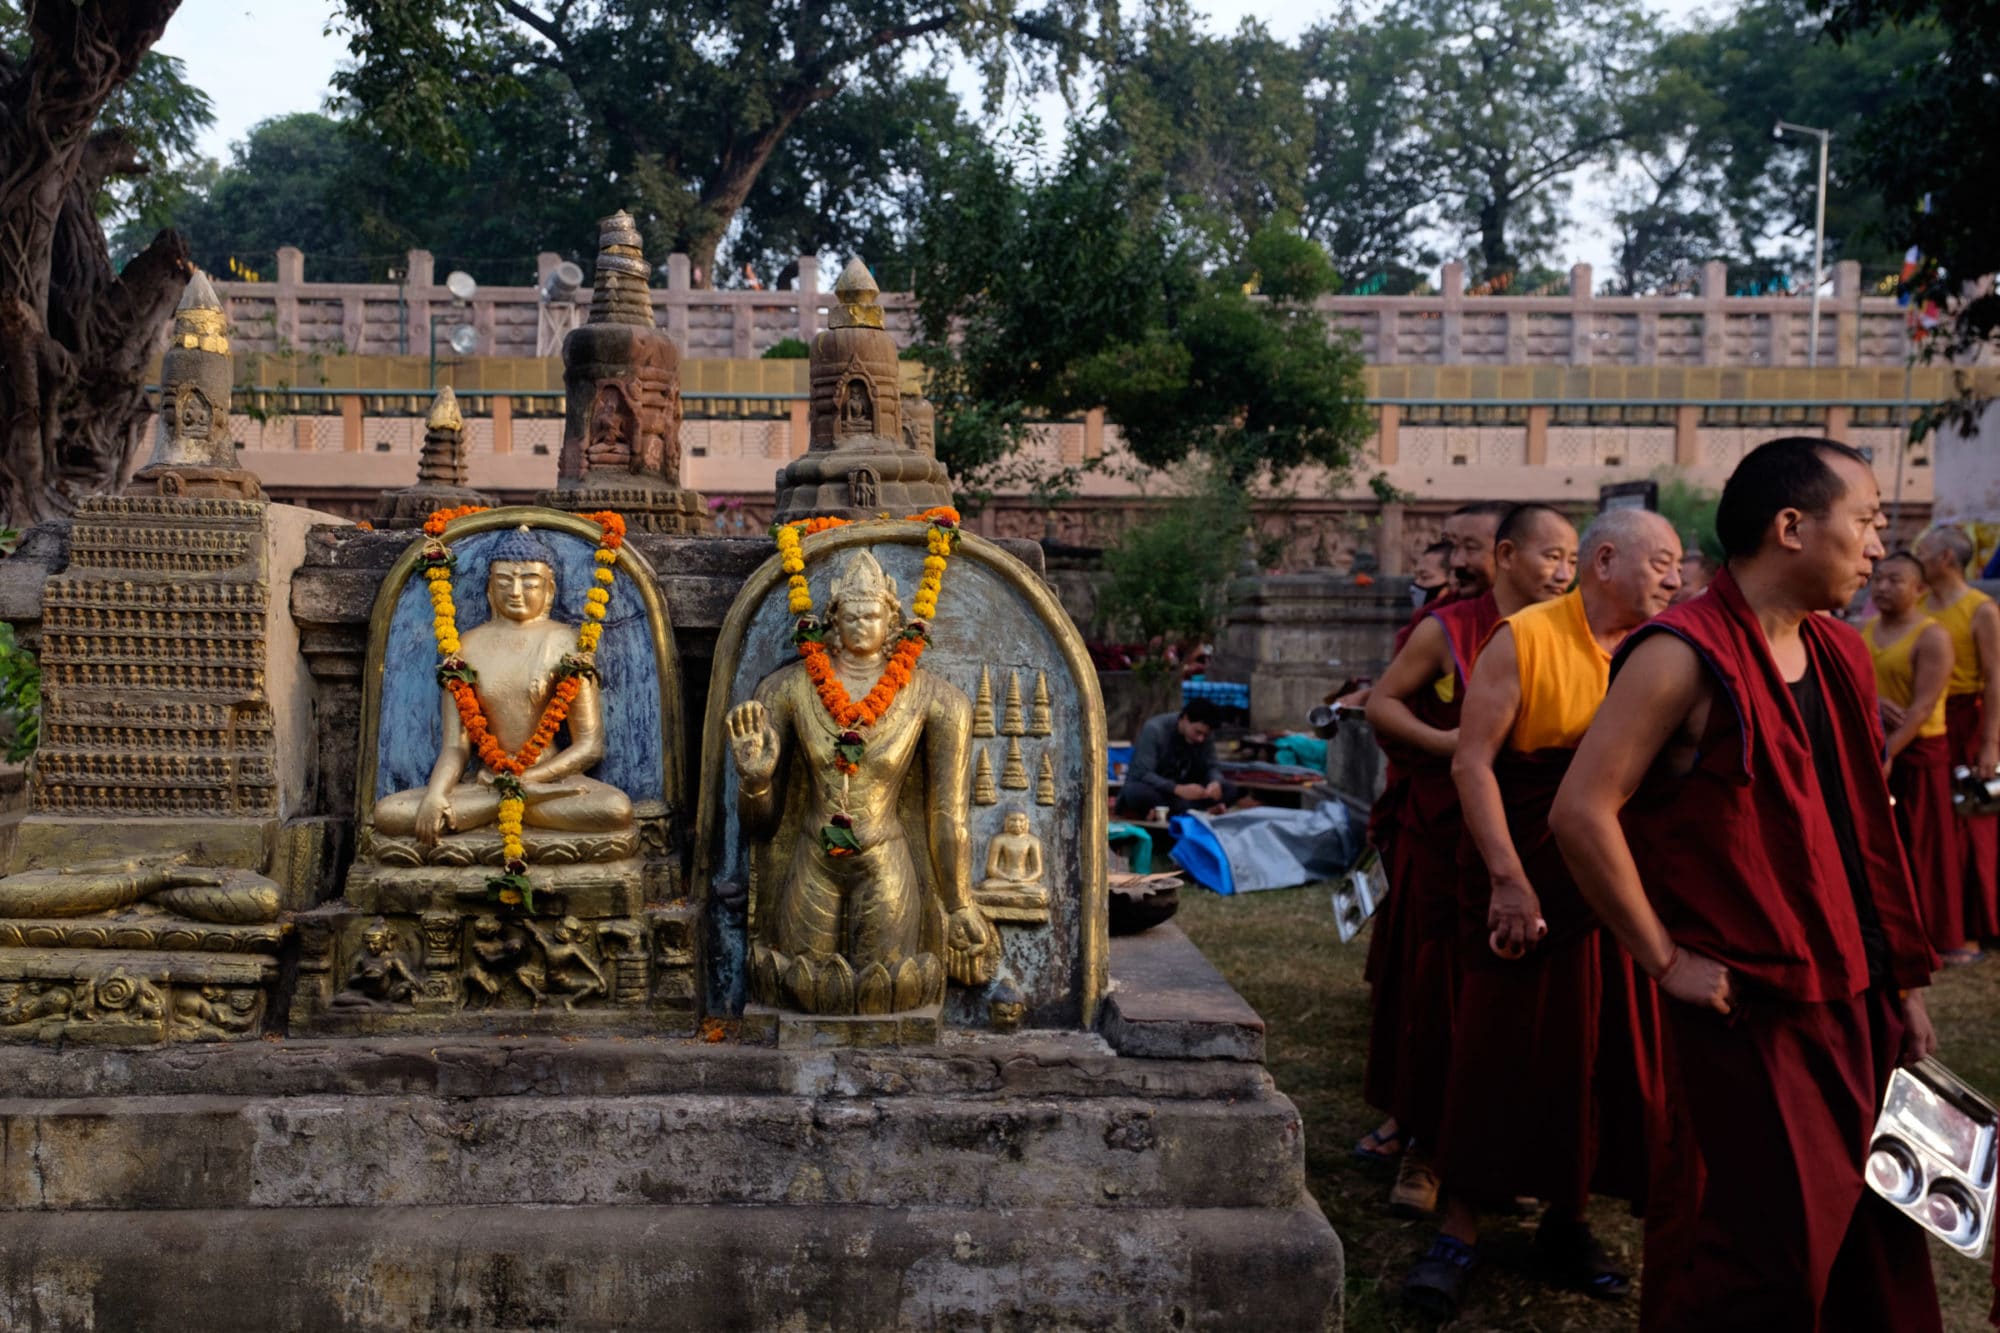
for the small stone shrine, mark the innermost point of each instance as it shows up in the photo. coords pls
(394, 928)
(441, 471)
(862, 458)
(621, 444)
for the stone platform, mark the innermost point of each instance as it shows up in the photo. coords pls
(1027, 1180)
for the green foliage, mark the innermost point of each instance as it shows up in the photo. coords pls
(1930, 150)
(20, 697)
(1487, 107)
(1167, 577)
(1049, 291)
(1690, 507)
(787, 349)
(678, 111)
(1711, 182)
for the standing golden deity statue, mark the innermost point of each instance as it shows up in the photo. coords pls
(861, 879)
(517, 658)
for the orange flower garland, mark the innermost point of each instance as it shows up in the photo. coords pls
(837, 838)
(513, 887)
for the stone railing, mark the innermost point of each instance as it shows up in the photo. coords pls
(1448, 328)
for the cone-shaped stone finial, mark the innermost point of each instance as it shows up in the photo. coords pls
(983, 792)
(1014, 773)
(444, 412)
(618, 293)
(982, 705)
(1040, 719)
(198, 319)
(1045, 781)
(1013, 722)
(857, 300)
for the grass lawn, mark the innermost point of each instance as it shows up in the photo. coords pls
(1281, 951)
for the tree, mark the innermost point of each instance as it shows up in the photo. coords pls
(1049, 291)
(1373, 184)
(1705, 177)
(1511, 98)
(83, 117)
(1930, 150)
(1222, 122)
(687, 103)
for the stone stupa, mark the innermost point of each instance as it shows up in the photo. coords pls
(621, 445)
(860, 461)
(441, 471)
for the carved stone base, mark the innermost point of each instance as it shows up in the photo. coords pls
(410, 506)
(453, 967)
(827, 984)
(131, 996)
(645, 508)
(1019, 903)
(788, 1030)
(599, 889)
(187, 481)
(861, 482)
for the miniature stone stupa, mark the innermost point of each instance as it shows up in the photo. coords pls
(622, 430)
(195, 454)
(441, 471)
(860, 461)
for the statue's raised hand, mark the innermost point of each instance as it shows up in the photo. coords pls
(971, 947)
(753, 744)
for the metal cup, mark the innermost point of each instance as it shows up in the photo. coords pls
(1324, 719)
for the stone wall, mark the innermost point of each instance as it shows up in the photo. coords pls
(1294, 637)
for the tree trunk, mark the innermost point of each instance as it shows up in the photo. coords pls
(1493, 253)
(75, 336)
(723, 195)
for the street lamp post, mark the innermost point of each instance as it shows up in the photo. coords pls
(1819, 229)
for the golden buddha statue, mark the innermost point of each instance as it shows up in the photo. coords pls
(515, 655)
(861, 855)
(1014, 857)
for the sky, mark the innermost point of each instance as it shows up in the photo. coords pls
(262, 58)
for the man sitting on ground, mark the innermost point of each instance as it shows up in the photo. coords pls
(1173, 765)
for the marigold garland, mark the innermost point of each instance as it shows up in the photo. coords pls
(852, 716)
(513, 888)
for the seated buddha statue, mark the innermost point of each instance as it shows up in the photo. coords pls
(861, 834)
(1014, 858)
(515, 656)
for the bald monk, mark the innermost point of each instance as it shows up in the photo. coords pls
(1418, 788)
(1971, 717)
(1555, 1041)
(1913, 660)
(1756, 873)
(1414, 711)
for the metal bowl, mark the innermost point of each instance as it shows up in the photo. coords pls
(1893, 1171)
(1950, 1212)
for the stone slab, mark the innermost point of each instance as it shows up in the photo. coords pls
(588, 1269)
(1023, 1064)
(926, 1150)
(601, 889)
(793, 1031)
(52, 841)
(1167, 1001)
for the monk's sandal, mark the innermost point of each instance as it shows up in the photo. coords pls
(1416, 1191)
(1436, 1282)
(1575, 1258)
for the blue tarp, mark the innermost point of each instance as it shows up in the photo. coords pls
(1266, 848)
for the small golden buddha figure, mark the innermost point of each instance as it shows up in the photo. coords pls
(898, 890)
(516, 655)
(1014, 857)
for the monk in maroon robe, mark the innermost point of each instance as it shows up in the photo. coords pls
(1410, 819)
(1414, 711)
(1728, 820)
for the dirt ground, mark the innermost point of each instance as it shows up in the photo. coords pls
(1281, 951)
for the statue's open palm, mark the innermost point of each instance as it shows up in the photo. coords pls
(753, 744)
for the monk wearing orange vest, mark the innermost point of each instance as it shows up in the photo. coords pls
(1555, 1057)
(1913, 661)
(1971, 716)
(1414, 711)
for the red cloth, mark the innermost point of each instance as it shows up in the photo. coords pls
(1921, 783)
(1739, 856)
(1978, 835)
(1556, 1065)
(1411, 955)
(1782, 1097)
